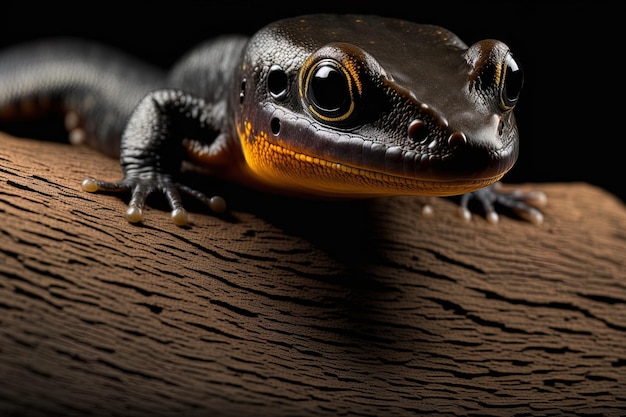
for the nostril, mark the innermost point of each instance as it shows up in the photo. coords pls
(275, 125)
(417, 130)
(457, 139)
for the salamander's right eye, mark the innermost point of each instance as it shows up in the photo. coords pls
(329, 91)
(496, 77)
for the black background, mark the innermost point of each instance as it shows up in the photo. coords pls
(570, 113)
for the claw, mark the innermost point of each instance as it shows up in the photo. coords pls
(536, 198)
(180, 217)
(216, 203)
(134, 214)
(531, 214)
(465, 213)
(90, 185)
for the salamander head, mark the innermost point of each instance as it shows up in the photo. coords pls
(369, 106)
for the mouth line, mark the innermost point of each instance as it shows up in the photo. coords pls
(395, 182)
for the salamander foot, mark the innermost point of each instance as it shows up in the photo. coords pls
(141, 188)
(524, 204)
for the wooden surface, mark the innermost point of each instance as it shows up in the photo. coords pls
(295, 308)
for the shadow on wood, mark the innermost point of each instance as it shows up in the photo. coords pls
(303, 308)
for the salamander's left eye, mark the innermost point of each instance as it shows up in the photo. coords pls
(329, 91)
(511, 81)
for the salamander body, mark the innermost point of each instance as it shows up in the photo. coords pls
(329, 106)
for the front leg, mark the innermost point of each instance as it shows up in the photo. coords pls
(152, 151)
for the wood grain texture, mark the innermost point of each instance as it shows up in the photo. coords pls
(299, 308)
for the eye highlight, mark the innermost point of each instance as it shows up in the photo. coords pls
(329, 91)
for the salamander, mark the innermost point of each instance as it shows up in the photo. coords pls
(316, 106)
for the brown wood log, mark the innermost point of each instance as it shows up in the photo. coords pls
(299, 308)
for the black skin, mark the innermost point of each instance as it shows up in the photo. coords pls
(123, 107)
(128, 109)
